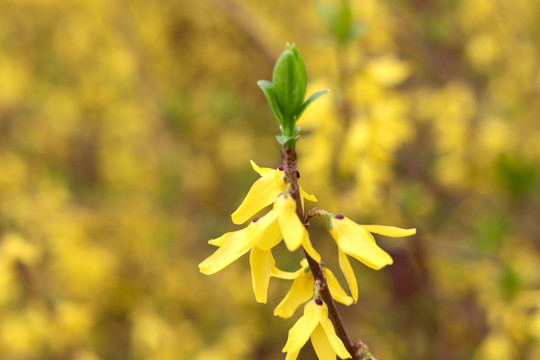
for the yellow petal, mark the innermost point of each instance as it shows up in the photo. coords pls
(306, 244)
(220, 240)
(322, 346)
(261, 262)
(389, 230)
(300, 292)
(335, 288)
(261, 171)
(285, 275)
(358, 243)
(307, 196)
(333, 339)
(292, 355)
(291, 227)
(301, 331)
(347, 270)
(261, 194)
(235, 245)
(265, 232)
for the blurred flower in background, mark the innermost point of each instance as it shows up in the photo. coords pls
(125, 133)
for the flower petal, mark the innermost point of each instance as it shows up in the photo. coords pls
(335, 288)
(292, 355)
(285, 275)
(322, 346)
(305, 195)
(389, 230)
(300, 292)
(261, 262)
(333, 339)
(291, 227)
(301, 331)
(265, 233)
(261, 194)
(306, 244)
(358, 243)
(220, 240)
(261, 170)
(347, 270)
(235, 245)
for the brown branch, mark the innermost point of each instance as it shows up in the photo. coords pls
(357, 350)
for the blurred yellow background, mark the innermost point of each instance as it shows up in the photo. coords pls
(126, 130)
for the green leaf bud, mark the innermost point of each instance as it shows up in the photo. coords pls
(289, 83)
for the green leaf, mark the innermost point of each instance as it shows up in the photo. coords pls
(268, 90)
(311, 99)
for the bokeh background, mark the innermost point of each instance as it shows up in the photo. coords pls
(126, 130)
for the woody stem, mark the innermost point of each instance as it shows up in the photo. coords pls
(291, 173)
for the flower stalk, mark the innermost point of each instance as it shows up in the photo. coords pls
(291, 173)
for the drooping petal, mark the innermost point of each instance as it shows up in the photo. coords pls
(292, 355)
(291, 227)
(265, 232)
(322, 346)
(307, 196)
(262, 170)
(347, 270)
(333, 339)
(335, 288)
(220, 240)
(285, 275)
(358, 243)
(261, 194)
(261, 262)
(389, 230)
(301, 331)
(300, 292)
(235, 245)
(306, 244)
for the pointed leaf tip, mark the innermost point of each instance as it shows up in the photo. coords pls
(268, 89)
(310, 100)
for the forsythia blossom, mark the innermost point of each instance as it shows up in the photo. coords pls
(302, 290)
(356, 241)
(315, 324)
(263, 193)
(262, 234)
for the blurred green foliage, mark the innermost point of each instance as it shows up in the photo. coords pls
(126, 130)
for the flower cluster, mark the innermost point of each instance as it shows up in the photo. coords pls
(282, 223)
(312, 283)
(263, 233)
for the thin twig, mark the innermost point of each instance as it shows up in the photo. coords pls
(291, 172)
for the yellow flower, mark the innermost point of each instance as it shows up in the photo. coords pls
(356, 241)
(315, 324)
(235, 244)
(282, 222)
(263, 193)
(302, 290)
(261, 235)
